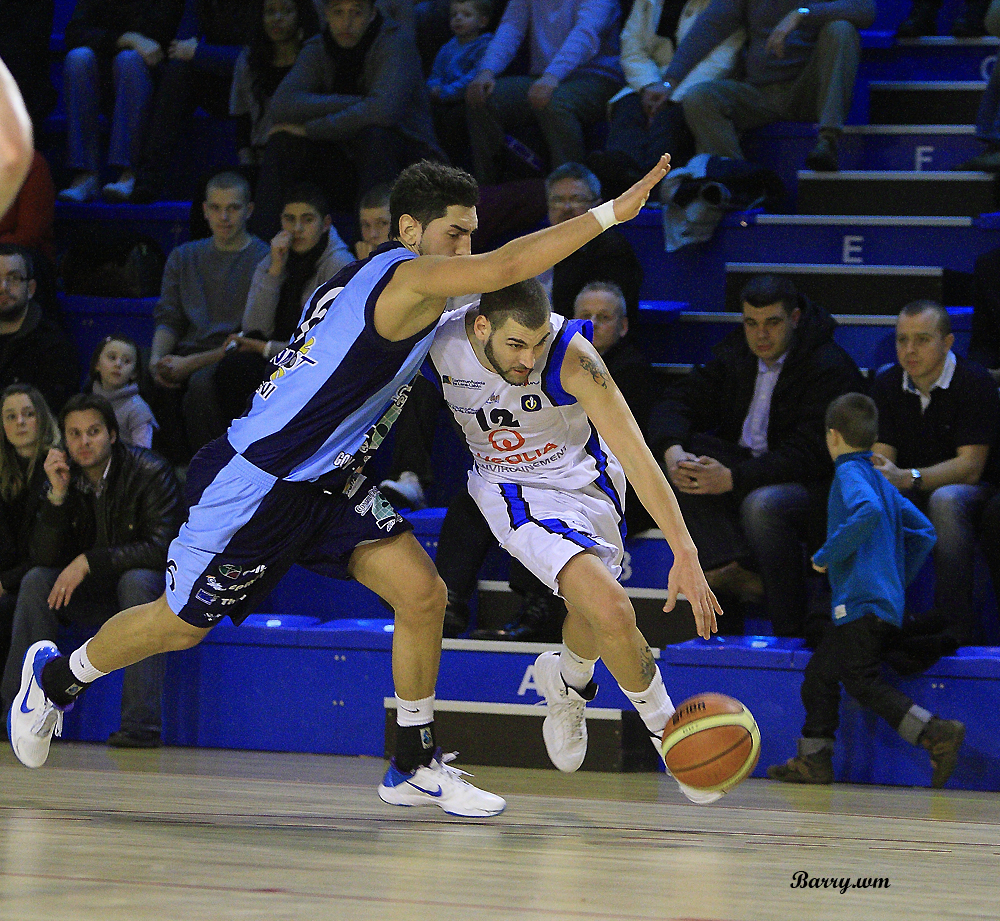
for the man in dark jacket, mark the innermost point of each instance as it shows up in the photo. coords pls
(101, 543)
(34, 349)
(743, 443)
(355, 98)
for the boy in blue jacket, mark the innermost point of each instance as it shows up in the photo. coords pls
(876, 543)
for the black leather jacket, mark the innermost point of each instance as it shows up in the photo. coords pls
(141, 508)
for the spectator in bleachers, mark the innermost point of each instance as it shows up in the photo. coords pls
(115, 372)
(456, 63)
(279, 31)
(29, 220)
(24, 47)
(114, 49)
(34, 348)
(800, 62)
(198, 71)
(305, 253)
(571, 190)
(573, 72)
(988, 116)
(742, 441)
(374, 220)
(15, 139)
(354, 102)
(100, 544)
(922, 20)
(29, 430)
(204, 292)
(939, 421)
(646, 119)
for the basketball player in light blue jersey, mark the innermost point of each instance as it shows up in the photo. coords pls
(286, 484)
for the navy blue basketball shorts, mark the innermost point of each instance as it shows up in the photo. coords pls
(246, 528)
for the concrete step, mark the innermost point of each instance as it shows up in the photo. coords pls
(845, 289)
(896, 192)
(937, 102)
(935, 57)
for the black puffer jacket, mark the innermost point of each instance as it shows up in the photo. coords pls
(142, 510)
(714, 399)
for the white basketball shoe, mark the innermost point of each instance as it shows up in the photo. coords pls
(439, 784)
(699, 797)
(33, 718)
(565, 725)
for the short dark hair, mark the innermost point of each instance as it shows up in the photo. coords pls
(308, 193)
(229, 179)
(855, 416)
(376, 197)
(915, 308)
(12, 249)
(524, 301)
(426, 190)
(764, 290)
(83, 401)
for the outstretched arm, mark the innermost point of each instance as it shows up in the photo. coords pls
(16, 148)
(415, 296)
(585, 377)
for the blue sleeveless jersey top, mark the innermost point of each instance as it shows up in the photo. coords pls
(338, 386)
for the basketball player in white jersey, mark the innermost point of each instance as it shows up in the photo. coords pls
(553, 440)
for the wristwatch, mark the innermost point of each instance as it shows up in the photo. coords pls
(917, 478)
(803, 11)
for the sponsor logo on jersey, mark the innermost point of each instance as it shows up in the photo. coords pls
(531, 403)
(230, 571)
(205, 597)
(464, 384)
(506, 439)
(524, 457)
(384, 514)
(214, 583)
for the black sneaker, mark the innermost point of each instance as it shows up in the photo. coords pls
(921, 21)
(823, 157)
(456, 616)
(815, 769)
(943, 739)
(540, 621)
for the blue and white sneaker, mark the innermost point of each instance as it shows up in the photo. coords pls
(33, 718)
(438, 784)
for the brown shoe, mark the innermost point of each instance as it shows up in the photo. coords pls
(943, 739)
(735, 580)
(816, 768)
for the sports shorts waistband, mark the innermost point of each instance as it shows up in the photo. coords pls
(251, 472)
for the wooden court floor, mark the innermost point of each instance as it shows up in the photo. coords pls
(182, 834)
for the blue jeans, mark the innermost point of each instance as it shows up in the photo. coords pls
(629, 133)
(133, 89)
(91, 605)
(955, 511)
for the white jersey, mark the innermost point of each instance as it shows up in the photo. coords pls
(532, 434)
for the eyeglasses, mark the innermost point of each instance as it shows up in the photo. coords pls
(575, 200)
(12, 280)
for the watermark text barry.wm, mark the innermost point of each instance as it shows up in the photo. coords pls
(841, 884)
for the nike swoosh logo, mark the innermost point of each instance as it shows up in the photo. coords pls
(436, 792)
(25, 709)
(408, 710)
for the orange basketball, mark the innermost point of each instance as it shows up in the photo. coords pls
(711, 743)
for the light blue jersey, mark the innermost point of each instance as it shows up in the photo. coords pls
(338, 386)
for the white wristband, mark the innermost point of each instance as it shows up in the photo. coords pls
(605, 215)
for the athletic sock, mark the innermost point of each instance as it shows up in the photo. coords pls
(81, 667)
(576, 671)
(654, 705)
(415, 743)
(59, 683)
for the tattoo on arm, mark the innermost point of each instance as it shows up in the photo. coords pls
(596, 371)
(648, 666)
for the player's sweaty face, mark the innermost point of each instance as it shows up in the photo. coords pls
(450, 235)
(512, 350)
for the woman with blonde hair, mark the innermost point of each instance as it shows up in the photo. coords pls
(29, 430)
